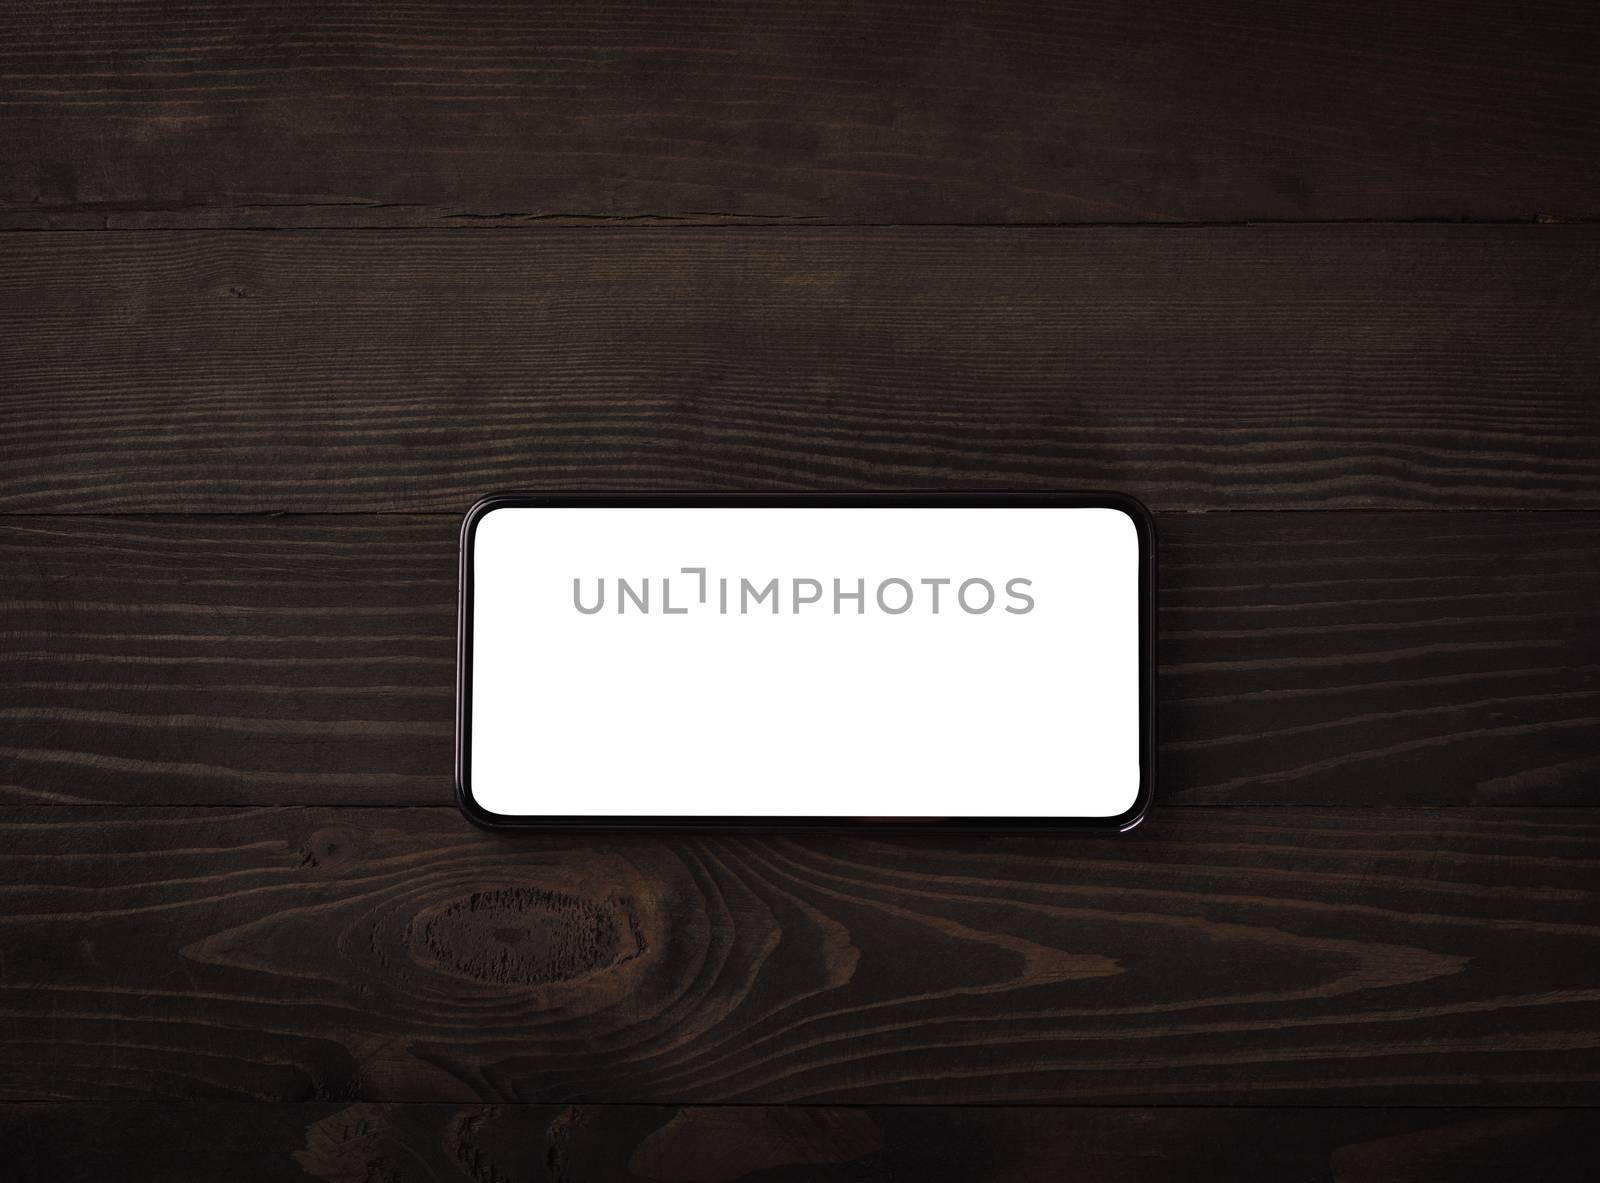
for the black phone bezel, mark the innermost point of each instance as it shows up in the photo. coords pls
(1143, 523)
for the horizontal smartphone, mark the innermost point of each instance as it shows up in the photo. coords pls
(978, 661)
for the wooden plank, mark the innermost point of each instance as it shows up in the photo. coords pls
(1380, 658)
(1283, 367)
(1312, 658)
(64, 1143)
(1257, 956)
(456, 114)
(232, 660)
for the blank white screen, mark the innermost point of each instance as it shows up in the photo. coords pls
(810, 711)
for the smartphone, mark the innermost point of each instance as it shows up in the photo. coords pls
(979, 661)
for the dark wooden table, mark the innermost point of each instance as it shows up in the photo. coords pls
(284, 287)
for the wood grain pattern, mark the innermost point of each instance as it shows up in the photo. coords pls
(1315, 658)
(1377, 658)
(491, 111)
(440, 1003)
(67, 1143)
(240, 660)
(1272, 368)
(1352, 957)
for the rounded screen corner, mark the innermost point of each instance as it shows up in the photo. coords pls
(1144, 522)
(482, 508)
(475, 813)
(1136, 813)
